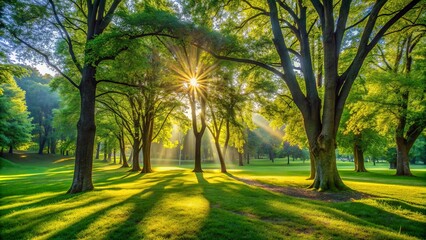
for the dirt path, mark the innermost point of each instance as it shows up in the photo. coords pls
(343, 196)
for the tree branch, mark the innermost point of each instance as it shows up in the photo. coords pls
(46, 57)
(69, 42)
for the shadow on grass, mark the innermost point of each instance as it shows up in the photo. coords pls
(363, 213)
(235, 211)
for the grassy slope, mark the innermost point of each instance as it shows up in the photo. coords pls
(176, 203)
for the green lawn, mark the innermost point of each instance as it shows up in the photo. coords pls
(174, 203)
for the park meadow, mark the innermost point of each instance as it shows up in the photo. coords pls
(212, 119)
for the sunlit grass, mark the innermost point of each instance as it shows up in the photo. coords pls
(174, 203)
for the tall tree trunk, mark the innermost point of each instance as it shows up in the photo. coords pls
(115, 159)
(11, 149)
(124, 163)
(288, 159)
(402, 159)
(136, 150)
(146, 151)
(41, 145)
(359, 154)
(240, 159)
(109, 155)
(52, 145)
(219, 153)
(198, 133)
(105, 151)
(227, 137)
(86, 129)
(197, 164)
(98, 148)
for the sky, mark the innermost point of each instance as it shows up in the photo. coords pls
(43, 69)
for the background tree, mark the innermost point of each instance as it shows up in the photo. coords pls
(15, 123)
(289, 32)
(193, 70)
(41, 102)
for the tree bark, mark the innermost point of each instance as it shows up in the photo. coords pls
(136, 150)
(219, 153)
(240, 159)
(402, 159)
(327, 176)
(98, 148)
(105, 151)
(359, 155)
(197, 164)
(115, 159)
(41, 145)
(86, 128)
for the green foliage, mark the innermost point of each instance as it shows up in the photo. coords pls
(15, 123)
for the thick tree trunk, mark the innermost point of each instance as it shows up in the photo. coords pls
(327, 177)
(98, 148)
(86, 130)
(146, 151)
(197, 164)
(136, 150)
(359, 158)
(402, 159)
(219, 153)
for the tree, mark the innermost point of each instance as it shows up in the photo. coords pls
(146, 112)
(193, 71)
(15, 123)
(40, 101)
(397, 94)
(82, 28)
(340, 28)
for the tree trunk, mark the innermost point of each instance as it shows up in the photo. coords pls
(197, 164)
(123, 160)
(288, 159)
(98, 148)
(41, 145)
(146, 151)
(402, 159)
(110, 155)
(219, 153)
(105, 151)
(53, 145)
(11, 149)
(312, 163)
(358, 155)
(327, 176)
(115, 159)
(86, 129)
(136, 150)
(240, 159)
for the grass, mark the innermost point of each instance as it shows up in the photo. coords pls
(174, 203)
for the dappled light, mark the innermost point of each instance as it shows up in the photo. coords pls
(222, 119)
